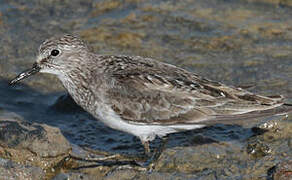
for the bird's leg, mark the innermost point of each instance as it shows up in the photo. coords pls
(160, 148)
(127, 162)
(158, 151)
(146, 147)
(151, 158)
(116, 161)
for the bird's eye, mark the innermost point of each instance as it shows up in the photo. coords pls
(55, 52)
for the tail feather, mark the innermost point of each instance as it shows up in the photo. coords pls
(280, 110)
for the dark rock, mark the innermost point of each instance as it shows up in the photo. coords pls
(43, 140)
(30, 144)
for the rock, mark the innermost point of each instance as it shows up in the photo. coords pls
(31, 144)
(282, 171)
(258, 149)
(11, 170)
(192, 159)
(73, 176)
(133, 174)
(40, 139)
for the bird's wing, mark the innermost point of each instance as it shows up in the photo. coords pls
(158, 93)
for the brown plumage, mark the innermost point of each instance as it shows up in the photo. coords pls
(150, 92)
(145, 97)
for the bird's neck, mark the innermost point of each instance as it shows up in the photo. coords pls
(81, 79)
(76, 82)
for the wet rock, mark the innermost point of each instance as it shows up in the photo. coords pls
(133, 174)
(192, 159)
(73, 176)
(31, 144)
(282, 171)
(41, 139)
(258, 149)
(12, 170)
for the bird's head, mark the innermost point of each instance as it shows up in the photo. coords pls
(56, 55)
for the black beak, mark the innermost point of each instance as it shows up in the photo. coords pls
(35, 68)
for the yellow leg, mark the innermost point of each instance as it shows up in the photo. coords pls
(146, 147)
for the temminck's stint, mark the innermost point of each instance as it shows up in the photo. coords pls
(142, 96)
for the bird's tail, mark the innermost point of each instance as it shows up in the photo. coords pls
(282, 110)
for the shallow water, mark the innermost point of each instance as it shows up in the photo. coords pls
(235, 42)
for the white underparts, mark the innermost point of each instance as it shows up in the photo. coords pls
(143, 131)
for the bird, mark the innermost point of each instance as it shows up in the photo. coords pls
(143, 96)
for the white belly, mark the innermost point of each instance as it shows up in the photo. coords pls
(143, 131)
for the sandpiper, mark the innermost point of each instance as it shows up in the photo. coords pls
(142, 96)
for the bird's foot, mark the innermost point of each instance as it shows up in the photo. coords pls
(115, 161)
(144, 162)
(150, 158)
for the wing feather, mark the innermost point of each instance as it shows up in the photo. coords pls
(156, 93)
